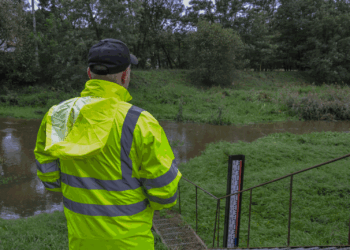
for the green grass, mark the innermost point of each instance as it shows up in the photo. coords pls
(320, 207)
(255, 97)
(320, 196)
(52, 233)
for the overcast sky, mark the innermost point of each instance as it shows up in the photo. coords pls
(185, 2)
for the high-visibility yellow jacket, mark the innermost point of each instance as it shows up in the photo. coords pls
(113, 164)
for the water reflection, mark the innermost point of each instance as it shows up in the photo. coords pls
(28, 197)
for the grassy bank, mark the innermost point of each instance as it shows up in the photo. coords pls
(320, 196)
(167, 94)
(320, 208)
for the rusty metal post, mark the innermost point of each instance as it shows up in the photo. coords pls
(290, 208)
(250, 206)
(218, 222)
(196, 210)
(216, 216)
(349, 234)
(179, 199)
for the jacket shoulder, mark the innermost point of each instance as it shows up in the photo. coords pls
(146, 127)
(144, 115)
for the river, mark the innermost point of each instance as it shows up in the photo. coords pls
(28, 197)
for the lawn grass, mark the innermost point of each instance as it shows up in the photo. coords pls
(320, 196)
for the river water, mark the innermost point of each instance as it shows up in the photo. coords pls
(29, 197)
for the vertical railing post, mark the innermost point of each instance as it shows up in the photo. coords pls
(218, 222)
(179, 199)
(196, 210)
(216, 216)
(250, 207)
(290, 207)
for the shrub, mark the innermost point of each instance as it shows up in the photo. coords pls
(216, 54)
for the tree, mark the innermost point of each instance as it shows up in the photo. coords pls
(313, 32)
(270, 38)
(16, 66)
(215, 53)
(329, 43)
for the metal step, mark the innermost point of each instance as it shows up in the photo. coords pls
(174, 234)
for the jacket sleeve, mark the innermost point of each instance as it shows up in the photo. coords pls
(158, 172)
(48, 169)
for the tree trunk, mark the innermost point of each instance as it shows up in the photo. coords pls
(36, 43)
(158, 60)
(153, 61)
(135, 51)
(168, 57)
(179, 53)
(94, 24)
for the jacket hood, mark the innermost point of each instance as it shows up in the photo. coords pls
(79, 127)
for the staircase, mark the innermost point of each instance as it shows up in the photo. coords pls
(175, 234)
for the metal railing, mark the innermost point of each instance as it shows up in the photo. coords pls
(290, 203)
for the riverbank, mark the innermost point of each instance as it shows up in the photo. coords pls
(255, 97)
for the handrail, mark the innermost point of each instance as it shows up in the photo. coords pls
(300, 171)
(229, 195)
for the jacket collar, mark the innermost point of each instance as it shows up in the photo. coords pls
(106, 89)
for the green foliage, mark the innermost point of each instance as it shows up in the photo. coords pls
(303, 34)
(260, 48)
(215, 53)
(313, 35)
(16, 67)
(20, 72)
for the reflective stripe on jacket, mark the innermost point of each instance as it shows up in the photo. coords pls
(113, 164)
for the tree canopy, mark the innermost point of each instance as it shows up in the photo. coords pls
(304, 35)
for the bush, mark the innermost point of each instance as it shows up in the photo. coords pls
(216, 54)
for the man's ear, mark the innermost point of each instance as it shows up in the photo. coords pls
(88, 72)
